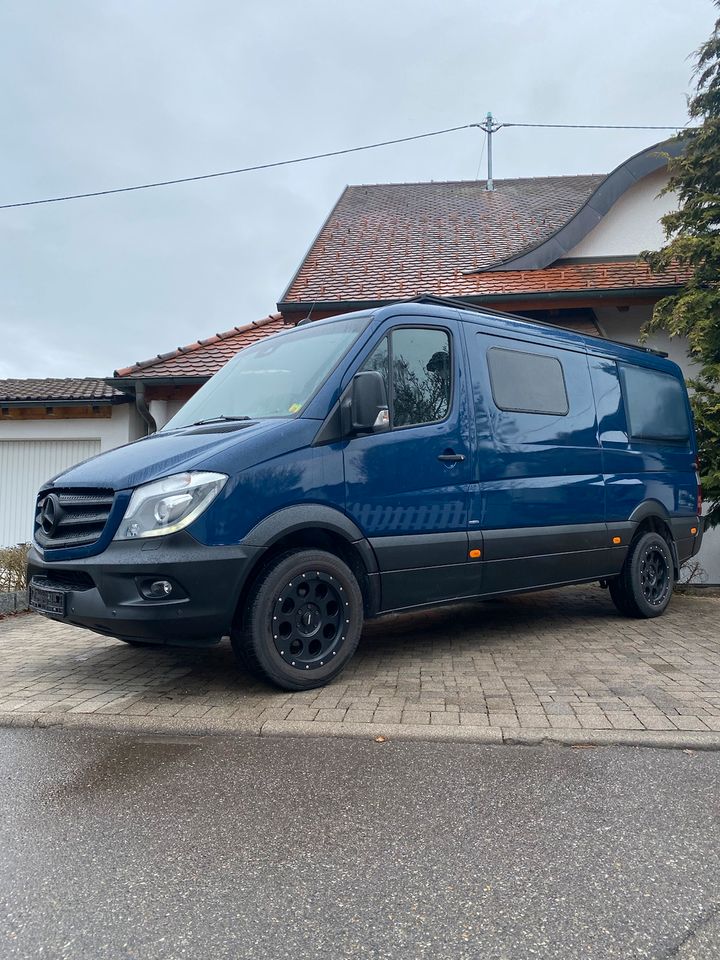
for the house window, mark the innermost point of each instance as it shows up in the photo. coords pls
(415, 363)
(527, 382)
(655, 404)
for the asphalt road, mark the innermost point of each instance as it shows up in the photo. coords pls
(149, 847)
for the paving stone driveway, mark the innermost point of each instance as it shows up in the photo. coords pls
(559, 665)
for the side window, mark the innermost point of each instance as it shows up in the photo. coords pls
(654, 404)
(379, 360)
(416, 366)
(527, 382)
(421, 376)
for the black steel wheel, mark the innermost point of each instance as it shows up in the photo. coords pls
(302, 622)
(646, 581)
(654, 574)
(309, 621)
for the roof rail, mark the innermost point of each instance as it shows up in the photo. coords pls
(459, 304)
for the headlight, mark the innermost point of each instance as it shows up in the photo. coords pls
(168, 505)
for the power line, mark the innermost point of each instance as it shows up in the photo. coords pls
(230, 173)
(593, 126)
(323, 156)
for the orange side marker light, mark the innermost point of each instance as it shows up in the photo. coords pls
(693, 530)
(617, 540)
(475, 554)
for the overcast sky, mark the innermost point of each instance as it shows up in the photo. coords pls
(104, 93)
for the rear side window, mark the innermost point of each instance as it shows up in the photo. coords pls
(654, 404)
(527, 382)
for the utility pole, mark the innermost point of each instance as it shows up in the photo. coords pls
(490, 127)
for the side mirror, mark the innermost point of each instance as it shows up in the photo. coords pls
(368, 406)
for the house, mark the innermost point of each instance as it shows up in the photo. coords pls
(47, 426)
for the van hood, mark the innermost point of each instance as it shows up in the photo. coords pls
(223, 447)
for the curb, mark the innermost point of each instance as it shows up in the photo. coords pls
(445, 733)
(663, 739)
(109, 724)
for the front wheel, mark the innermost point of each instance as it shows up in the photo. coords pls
(646, 580)
(302, 622)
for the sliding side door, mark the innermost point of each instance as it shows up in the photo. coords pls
(539, 499)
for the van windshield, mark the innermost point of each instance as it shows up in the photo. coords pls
(273, 378)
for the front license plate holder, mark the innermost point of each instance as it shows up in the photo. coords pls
(48, 599)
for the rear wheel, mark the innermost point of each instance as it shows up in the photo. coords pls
(646, 580)
(303, 621)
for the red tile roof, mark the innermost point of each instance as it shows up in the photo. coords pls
(565, 276)
(562, 277)
(205, 357)
(391, 240)
(48, 390)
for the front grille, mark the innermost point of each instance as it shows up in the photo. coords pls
(71, 518)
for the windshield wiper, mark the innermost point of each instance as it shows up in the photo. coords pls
(221, 419)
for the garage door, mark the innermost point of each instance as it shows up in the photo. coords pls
(24, 466)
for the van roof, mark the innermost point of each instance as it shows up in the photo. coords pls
(511, 323)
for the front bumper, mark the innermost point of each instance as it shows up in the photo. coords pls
(103, 593)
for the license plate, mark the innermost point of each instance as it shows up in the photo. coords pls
(47, 600)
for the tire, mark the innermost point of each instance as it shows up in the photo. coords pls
(646, 581)
(302, 622)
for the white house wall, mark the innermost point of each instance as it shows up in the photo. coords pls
(162, 411)
(123, 426)
(625, 325)
(632, 224)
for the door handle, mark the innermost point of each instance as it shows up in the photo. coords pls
(451, 457)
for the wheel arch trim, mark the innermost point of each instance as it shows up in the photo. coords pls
(313, 516)
(650, 509)
(655, 510)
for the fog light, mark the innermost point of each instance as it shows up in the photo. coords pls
(151, 589)
(160, 588)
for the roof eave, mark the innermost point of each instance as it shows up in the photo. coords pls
(594, 293)
(66, 402)
(296, 306)
(127, 383)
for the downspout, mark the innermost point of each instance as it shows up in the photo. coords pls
(142, 407)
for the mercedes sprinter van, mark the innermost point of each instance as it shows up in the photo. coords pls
(385, 460)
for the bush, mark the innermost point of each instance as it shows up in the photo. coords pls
(13, 567)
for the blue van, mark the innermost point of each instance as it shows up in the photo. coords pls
(389, 459)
